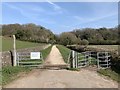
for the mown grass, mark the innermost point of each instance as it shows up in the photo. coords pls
(64, 52)
(10, 73)
(45, 52)
(111, 74)
(7, 44)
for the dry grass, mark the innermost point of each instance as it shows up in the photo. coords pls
(105, 47)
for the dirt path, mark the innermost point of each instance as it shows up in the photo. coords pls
(61, 78)
(54, 57)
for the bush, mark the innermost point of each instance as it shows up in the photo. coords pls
(67, 38)
(84, 42)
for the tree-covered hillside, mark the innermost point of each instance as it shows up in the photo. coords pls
(37, 33)
(100, 36)
(28, 32)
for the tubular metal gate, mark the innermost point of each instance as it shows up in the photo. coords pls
(24, 59)
(104, 59)
(78, 60)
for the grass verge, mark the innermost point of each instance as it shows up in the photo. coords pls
(91, 60)
(109, 73)
(10, 73)
(7, 44)
(64, 52)
(45, 52)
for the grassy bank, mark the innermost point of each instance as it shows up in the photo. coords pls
(7, 44)
(111, 74)
(45, 52)
(64, 51)
(10, 73)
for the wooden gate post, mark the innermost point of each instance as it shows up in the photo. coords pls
(14, 50)
(106, 58)
(98, 64)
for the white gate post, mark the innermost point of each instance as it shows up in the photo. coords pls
(76, 60)
(73, 56)
(14, 47)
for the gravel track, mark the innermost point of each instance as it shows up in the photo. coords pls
(38, 78)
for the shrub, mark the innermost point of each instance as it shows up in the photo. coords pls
(84, 42)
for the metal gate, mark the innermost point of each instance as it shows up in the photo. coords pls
(104, 59)
(83, 59)
(25, 59)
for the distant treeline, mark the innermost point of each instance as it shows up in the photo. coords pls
(98, 36)
(36, 33)
(101, 36)
(28, 32)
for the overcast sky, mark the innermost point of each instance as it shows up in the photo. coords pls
(61, 16)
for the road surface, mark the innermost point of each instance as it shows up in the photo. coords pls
(54, 58)
(38, 78)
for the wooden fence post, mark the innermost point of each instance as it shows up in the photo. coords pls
(14, 50)
(98, 60)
